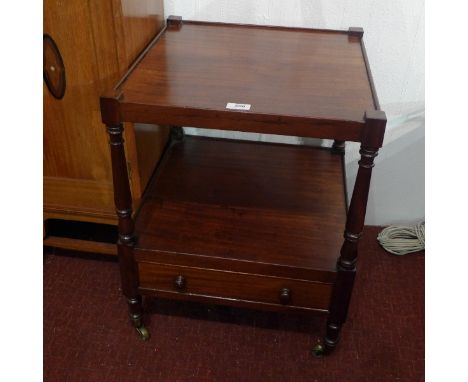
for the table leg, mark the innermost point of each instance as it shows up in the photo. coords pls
(346, 265)
(126, 240)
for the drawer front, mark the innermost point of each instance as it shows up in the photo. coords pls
(238, 286)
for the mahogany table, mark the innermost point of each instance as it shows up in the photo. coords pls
(245, 223)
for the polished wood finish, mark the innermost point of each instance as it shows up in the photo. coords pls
(346, 266)
(126, 240)
(243, 223)
(238, 286)
(151, 141)
(267, 72)
(278, 206)
(98, 41)
(285, 74)
(60, 199)
(54, 70)
(80, 245)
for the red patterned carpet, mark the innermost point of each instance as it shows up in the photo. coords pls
(87, 336)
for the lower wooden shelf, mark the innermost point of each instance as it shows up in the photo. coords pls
(242, 221)
(81, 245)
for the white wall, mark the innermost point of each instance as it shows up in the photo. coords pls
(394, 39)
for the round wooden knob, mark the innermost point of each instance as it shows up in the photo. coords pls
(285, 296)
(180, 282)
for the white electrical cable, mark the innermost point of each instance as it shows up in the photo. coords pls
(401, 240)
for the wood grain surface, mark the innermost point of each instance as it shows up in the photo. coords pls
(234, 286)
(247, 223)
(98, 40)
(243, 203)
(297, 81)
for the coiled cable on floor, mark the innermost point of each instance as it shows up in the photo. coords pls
(401, 240)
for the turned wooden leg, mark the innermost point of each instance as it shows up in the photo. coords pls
(346, 265)
(372, 139)
(135, 312)
(126, 240)
(341, 296)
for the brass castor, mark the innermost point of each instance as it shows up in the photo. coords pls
(318, 350)
(143, 333)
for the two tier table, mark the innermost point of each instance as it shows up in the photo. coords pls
(240, 223)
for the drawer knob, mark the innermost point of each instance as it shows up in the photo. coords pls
(180, 282)
(285, 296)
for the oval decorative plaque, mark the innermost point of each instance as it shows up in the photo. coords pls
(53, 70)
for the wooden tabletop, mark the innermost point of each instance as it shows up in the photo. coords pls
(297, 81)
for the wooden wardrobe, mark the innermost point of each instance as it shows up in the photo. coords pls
(88, 46)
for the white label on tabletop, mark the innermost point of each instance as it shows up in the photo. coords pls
(238, 106)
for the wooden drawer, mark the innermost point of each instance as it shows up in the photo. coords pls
(231, 287)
